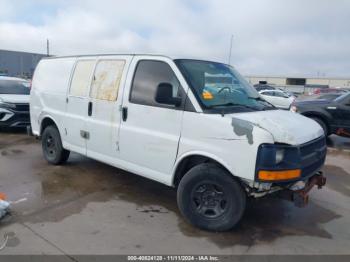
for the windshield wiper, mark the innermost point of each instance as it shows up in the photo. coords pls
(258, 98)
(233, 104)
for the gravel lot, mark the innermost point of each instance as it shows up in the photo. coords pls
(86, 207)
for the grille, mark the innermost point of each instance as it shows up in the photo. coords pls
(22, 107)
(313, 156)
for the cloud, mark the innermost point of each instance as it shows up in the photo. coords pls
(270, 37)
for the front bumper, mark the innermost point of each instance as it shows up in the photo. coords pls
(18, 116)
(300, 197)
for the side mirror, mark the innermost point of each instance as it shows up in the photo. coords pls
(164, 95)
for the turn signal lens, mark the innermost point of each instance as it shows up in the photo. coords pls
(2, 196)
(279, 175)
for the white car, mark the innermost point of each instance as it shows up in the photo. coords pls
(14, 102)
(191, 124)
(278, 98)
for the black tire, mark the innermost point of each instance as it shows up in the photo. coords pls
(322, 124)
(52, 147)
(210, 198)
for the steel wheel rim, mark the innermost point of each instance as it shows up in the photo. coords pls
(209, 200)
(50, 145)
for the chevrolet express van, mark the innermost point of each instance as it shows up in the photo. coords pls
(191, 124)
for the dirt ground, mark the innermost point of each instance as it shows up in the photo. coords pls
(85, 207)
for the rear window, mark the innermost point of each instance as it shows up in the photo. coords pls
(106, 79)
(14, 87)
(82, 78)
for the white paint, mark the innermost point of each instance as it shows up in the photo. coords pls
(153, 140)
(18, 99)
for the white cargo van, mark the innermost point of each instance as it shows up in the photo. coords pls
(191, 124)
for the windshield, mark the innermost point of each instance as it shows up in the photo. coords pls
(14, 87)
(342, 97)
(218, 85)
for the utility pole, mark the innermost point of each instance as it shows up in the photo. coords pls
(47, 47)
(230, 51)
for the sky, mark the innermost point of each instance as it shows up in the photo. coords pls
(270, 37)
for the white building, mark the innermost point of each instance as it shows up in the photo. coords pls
(301, 81)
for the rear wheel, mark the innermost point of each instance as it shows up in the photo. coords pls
(322, 124)
(210, 198)
(52, 147)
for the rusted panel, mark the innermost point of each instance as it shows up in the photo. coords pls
(106, 80)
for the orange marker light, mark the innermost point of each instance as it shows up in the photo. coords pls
(2, 196)
(207, 95)
(279, 175)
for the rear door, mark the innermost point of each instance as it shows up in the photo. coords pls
(340, 111)
(104, 113)
(150, 131)
(77, 106)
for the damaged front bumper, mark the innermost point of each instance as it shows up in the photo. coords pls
(296, 192)
(300, 197)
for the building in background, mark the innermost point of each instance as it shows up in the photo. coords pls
(19, 64)
(300, 84)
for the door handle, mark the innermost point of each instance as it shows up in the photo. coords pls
(124, 113)
(90, 108)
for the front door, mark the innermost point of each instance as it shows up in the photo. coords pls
(77, 107)
(150, 131)
(103, 119)
(340, 111)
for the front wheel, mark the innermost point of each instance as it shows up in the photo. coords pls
(210, 198)
(52, 147)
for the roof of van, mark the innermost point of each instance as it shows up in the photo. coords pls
(135, 54)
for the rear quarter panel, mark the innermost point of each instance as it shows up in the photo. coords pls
(49, 89)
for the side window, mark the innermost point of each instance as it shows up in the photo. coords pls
(148, 75)
(81, 78)
(106, 79)
(268, 93)
(278, 94)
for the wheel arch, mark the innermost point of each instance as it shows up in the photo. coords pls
(319, 115)
(191, 159)
(47, 121)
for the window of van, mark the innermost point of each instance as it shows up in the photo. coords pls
(81, 78)
(106, 79)
(149, 74)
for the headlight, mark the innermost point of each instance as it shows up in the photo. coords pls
(278, 162)
(8, 105)
(279, 155)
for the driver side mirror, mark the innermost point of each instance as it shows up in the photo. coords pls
(164, 95)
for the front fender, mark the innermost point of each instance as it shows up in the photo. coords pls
(198, 153)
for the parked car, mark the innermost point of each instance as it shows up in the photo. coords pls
(191, 124)
(14, 102)
(260, 87)
(333, 115)
(278, 98)
(330, 90)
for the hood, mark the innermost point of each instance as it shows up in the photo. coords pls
(285, 126)
(20, 99)
(313, 102)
